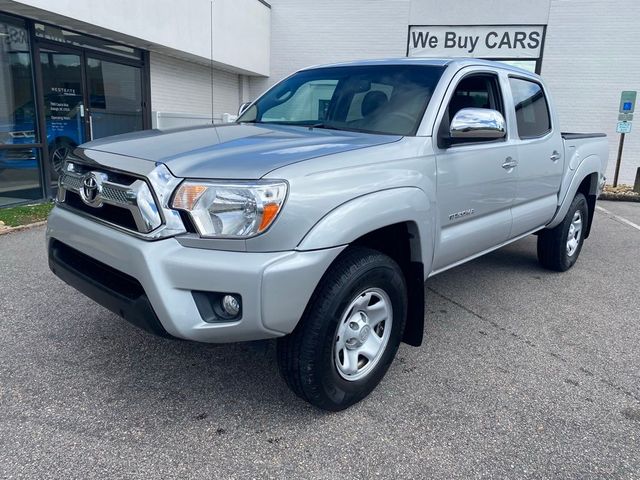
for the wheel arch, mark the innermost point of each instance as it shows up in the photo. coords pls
(401, 242)
(584, 181)
(397, 222)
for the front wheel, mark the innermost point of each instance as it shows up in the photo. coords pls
(559, 247)
(349, 333)
(58, 153)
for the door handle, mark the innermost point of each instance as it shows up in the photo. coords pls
(509, 163)
(555, 156)
(90, 126)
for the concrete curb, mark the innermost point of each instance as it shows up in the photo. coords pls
(6, 229)
(619, 197)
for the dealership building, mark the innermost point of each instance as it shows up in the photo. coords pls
(72, 71)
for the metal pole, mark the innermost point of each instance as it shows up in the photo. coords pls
(620, 146)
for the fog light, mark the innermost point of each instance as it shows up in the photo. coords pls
(230, 305)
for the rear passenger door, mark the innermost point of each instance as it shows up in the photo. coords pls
(540, 156)
(475, 185)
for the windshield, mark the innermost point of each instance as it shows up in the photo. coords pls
(386, 99)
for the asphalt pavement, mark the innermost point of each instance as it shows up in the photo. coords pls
(524, 373)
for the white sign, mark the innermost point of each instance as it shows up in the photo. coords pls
(483, 41)
(623, 127)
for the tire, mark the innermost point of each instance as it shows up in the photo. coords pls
(58, 152)
(556, 249)
(315, 359)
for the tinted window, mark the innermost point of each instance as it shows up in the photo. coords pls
(17, 112)
(387, 99)
(476, 91)
(532, 111)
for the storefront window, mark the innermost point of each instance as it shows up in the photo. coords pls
(19, 167)
(81, 88)
(17, 110)
(19, 175)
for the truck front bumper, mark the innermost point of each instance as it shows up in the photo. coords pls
(152, 283)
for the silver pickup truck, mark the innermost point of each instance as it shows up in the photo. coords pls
(317, 217)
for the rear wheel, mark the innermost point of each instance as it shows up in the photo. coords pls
(559, 247)
(349, 333)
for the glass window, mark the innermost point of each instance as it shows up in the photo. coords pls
(19, 162)
(528, 65)
(63, 105)
(386, 99)
(476, 91)
(19, 175)
(115, 97)
(17, 108)
(356, 109)
(532, 111)
(308, 103)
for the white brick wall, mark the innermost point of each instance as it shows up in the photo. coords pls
(304, 32)
(183, 87)
(591, 54)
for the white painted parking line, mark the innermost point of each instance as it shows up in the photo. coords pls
(618, 217)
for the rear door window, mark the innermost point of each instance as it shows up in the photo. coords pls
(532, 109)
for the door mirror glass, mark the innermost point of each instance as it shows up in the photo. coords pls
(243, 107)
(477, 124)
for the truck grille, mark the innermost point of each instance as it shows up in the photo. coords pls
(119, 199)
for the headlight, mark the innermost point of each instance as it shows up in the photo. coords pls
(231, 210)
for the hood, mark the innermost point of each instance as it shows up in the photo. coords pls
(237, 151)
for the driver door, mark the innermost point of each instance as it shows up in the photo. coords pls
(476, 186)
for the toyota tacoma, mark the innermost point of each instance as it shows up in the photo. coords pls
(317, 216)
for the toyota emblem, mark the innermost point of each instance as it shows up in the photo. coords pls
(91, 189)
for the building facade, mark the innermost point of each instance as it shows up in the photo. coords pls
(71, 71)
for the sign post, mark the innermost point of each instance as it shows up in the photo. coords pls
(625, 119)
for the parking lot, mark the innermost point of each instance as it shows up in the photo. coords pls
(524, 373)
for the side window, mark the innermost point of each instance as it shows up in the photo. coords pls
(532, 111)
(476, 91)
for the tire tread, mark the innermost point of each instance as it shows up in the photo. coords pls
(295, 350)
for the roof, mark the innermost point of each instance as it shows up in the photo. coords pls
(436, 62)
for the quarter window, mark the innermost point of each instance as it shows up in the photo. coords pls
(532, 110)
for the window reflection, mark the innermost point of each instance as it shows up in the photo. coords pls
(19, 175)
(19, 166)
(17, 110)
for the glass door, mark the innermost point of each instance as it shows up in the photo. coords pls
(115, 97)
(64, 104)
(85, 96)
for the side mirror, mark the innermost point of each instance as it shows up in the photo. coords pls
(243, 107)
(477, 124)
